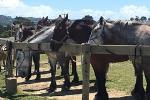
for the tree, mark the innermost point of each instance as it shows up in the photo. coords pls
(22, 20)
(137, 18)
(1, 29)
(131, 19)
(143, 18)
(148, 19)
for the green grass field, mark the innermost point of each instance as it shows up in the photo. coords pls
(120, 78)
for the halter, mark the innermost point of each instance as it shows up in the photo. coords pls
(102, 36)
(63, 39)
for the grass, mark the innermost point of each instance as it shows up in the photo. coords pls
(18, 96)
(120, 78)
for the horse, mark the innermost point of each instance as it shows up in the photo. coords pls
(121, 33)
(64, 31)
(23, 33)
(79, 32)
(44, 36)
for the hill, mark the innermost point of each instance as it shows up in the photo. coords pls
(8, 20)
(5, 20)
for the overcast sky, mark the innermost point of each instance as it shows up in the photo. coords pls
(113, 9)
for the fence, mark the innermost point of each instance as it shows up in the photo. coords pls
(75, 49)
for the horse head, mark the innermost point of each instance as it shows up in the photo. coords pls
(60, 33)
(42, 23)
(98, 33)
(74, 32)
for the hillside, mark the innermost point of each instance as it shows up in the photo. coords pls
(5, 20)
(8, 20)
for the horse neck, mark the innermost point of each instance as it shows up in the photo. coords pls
(44, 35)
(122, 34)
(81, 34)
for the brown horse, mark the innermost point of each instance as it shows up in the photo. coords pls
(120, 33)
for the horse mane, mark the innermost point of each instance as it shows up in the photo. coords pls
(76, 22)
(36, 34)
(128, 23)
(82, 22)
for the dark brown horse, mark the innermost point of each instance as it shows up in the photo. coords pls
(79, 32)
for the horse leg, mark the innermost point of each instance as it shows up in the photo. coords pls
(100, 70)
(29, 74)
(74, 70)
(146, 68)
(52, 87)
(36, 60)
(65, 69)
(138, 91)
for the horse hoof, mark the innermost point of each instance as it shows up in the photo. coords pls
(147, 96)
(72, 74)
(62, 74)
(75, 81)
(38, 78)
(138, 96)
(51, 90)
(27, 79)
(97, 97)
(65, 88)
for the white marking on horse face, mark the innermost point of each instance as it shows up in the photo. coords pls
(95, 37)
(97, 27)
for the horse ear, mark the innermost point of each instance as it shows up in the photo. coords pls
(101, 20)
(46, 18)
(66, 18)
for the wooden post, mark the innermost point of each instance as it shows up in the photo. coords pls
(9, 66)
(11, 82)
(85, 70)
(11, 85)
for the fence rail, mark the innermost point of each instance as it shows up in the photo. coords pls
(86, 50)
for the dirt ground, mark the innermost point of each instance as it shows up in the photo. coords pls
(39, 88)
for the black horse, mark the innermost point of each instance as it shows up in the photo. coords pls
(79, 32)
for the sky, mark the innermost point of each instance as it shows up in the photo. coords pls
(112, 9)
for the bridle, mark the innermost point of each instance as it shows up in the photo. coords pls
(63, 39)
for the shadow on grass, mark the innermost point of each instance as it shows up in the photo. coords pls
(60, 86)
(62, 93)
(41, 80)
(4, 94)
(79, 91)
